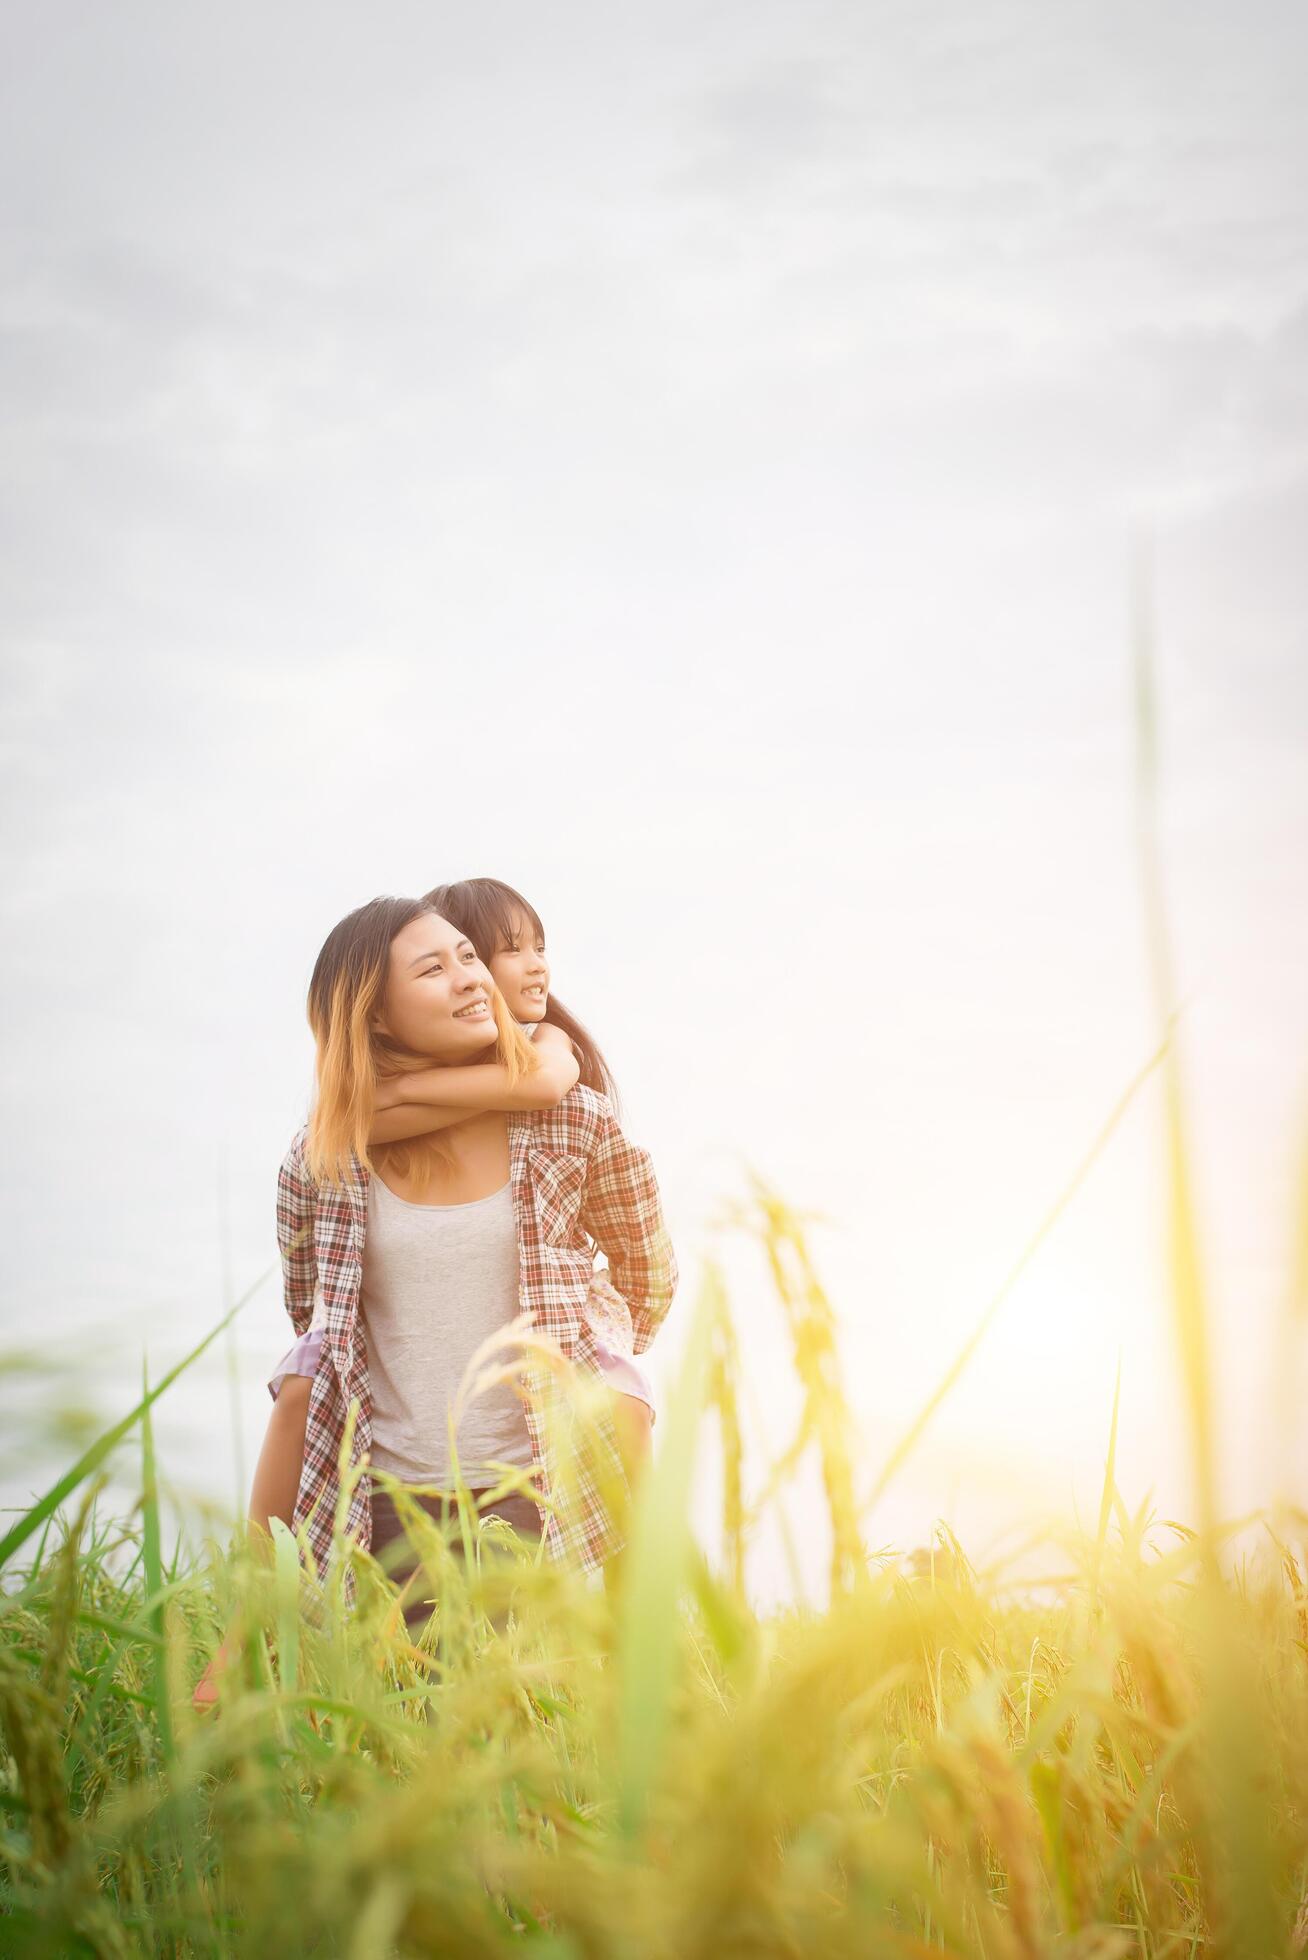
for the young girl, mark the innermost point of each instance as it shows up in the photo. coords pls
(529, 1174)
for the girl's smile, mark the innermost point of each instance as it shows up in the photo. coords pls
(521, 972)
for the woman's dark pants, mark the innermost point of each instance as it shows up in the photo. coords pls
(516, 1510)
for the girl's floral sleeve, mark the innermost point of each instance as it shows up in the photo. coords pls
(295, 1211)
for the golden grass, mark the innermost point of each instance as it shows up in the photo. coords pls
(936, 1763)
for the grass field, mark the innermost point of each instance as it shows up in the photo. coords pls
(1115, 1762)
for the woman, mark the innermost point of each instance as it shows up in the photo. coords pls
(399, 988)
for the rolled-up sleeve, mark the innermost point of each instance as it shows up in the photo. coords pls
(623, 1214)
(295, 1213)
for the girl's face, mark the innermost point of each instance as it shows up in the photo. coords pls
(521, 972)
(438, 993)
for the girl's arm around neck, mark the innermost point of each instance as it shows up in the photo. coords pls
(434, 1098)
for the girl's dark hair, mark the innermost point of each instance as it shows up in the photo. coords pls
(487, 910)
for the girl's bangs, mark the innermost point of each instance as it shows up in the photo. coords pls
(486, 909)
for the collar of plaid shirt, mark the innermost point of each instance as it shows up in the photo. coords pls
(578, 1184)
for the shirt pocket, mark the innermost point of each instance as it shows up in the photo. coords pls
(557, 1184)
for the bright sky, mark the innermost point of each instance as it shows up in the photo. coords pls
(682, 460)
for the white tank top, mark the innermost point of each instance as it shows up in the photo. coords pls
(437, 1280)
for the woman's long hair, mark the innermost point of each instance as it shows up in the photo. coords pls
(347, 996)
(487, 910)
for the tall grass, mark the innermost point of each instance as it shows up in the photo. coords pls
(936, 1763)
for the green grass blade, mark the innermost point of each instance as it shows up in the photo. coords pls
(152, 1559)
(1189, 1308)
(1110, 1483)
(658, 1561)
(913, 1434)
(91, 1459)
(286, 1557)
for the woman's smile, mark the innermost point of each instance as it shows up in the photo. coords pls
(476, 1010)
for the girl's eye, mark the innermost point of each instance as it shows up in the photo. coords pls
(430, 970)
(468, 958)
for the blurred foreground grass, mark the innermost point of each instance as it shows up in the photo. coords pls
(1115, 1764)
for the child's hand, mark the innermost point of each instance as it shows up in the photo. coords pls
(388, 1092)
(551, 1040)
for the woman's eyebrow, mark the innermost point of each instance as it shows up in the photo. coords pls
(437, 954)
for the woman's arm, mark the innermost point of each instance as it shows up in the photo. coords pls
(433, 1098)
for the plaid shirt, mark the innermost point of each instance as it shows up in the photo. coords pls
(575, 1178)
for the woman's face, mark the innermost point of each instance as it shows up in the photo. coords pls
(438, 993)
(521, 972)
